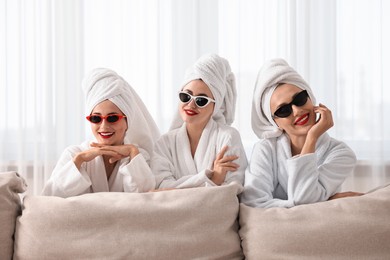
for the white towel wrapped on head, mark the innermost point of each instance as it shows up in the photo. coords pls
(215, 71)
(104, 84)
(271, 74)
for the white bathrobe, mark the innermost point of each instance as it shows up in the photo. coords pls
(128, 176)
(175, 167)
(276, 179)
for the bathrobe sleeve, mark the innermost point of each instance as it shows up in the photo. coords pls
(175, 168)
(307, 179)
(66, 180)
(317, 176)
(261, 178)
(137, 175)
(230, 137)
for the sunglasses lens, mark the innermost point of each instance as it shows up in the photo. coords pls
(184, 97)
(300, 99)
(201, 102)
(112, 118)
(95, 119)
(283, 111)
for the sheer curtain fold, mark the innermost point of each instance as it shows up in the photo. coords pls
(46, 47)
(40, 88)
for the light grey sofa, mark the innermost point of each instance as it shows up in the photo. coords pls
(198, 223)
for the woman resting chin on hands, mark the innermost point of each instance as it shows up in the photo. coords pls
(113, 153)
(118, 159)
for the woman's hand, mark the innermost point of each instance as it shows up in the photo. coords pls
(89, 155)
(115, 152)
(222, 165)
(121, 151)
(324, 122)
(345, 194)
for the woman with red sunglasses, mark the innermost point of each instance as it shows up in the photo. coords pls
(202, 149)
(296, 161)
(125, 133)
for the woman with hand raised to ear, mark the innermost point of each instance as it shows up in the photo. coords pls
(125, 133)
(202, 149)
(295, 161)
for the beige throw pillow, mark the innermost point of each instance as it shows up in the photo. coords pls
(10, 207)
(348, 228)
(197, 223)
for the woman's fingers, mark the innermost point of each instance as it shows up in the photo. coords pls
(114, 156)
(228, 166)
(115, 159)
(225, 163)
(322, 109)
(221, 154)
(125, 150)
(324, 122)
(222, 158)
(345, 194)
(231, 167)
(109, 152)
(228, 158)
(93, 144)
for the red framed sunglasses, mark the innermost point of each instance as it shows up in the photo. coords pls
(112, 118)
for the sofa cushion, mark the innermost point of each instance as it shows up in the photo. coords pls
(197, 223)
(10, 207)
(348, 228)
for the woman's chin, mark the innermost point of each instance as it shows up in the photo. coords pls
(106, 142)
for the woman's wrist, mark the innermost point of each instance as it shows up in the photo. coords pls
(309, 146)
(133, 152)
(217, 178)
(78, 161)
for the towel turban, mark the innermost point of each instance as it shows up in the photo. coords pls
(216, 73)
(104, 84)
(271, 74)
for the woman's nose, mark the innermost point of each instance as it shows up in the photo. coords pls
(192, 103)
(104, 123)
(296, 110)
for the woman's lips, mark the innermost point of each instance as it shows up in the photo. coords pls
(106, 135)
(302, 120)
(190, 112)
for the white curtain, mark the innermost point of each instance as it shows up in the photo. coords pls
(46, 47)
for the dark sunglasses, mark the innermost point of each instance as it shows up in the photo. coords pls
(299, 100)
(200, 101)
(113, 118)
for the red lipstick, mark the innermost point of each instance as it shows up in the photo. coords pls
(190, 112)
(302, 120)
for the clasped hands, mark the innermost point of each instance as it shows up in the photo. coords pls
(114, 152)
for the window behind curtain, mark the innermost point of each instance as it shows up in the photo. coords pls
(46, 47)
